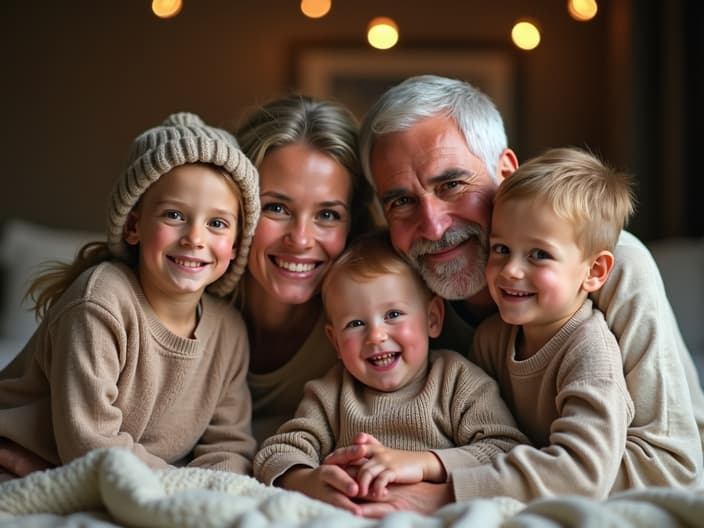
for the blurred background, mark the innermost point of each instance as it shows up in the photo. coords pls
(81, 78)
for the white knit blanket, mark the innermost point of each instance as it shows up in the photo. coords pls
(111, 487)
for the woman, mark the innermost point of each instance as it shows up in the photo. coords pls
(313, 197)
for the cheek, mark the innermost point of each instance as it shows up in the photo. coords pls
(223, 247)
(401, 236)
(333, 242)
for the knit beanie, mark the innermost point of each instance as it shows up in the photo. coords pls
(184, 138)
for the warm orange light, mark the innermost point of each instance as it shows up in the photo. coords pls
(166, 8)
(382, 33)
(315, 8)
(582, 10)
(525, 35)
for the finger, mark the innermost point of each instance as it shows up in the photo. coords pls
(345, 455)
(379, 486)
(375, 510)
(366, 438)
(339, 480)
(341, 501)
(367, 474)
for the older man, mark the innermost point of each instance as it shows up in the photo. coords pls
(436, 150)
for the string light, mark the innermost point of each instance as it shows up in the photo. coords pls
(382, 33)
(315, 8)
(166, 8)
(525, 34)
(582, 10)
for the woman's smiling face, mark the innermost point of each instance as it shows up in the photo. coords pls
(305, 199)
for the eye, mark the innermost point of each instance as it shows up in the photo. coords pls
(393, 314)
(500, 249)
(400, 202)
(539, 254)
(329, 215)
(354, 323)
(274, 207)
(218, 223)
(173, 215)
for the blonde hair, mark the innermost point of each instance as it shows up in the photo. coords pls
(579, 188)
(368, 257)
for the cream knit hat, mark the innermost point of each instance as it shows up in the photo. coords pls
(184, 138)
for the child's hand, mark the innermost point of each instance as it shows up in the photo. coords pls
(375, 466)
(385, 466)
(327, 483)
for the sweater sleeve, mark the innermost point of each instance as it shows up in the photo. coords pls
(664, 444)
(84, 383)
(586, 440)
(482, 425)
(308, 437)
(227, 443)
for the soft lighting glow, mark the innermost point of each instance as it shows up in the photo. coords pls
(526, 35)
(582, 10)
(315, 8)
(382, 33)
(166, 8)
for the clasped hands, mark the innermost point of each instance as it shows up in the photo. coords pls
(357, 477)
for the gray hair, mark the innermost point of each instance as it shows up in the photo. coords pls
(424, 96)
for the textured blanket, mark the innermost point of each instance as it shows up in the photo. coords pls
(111, 487)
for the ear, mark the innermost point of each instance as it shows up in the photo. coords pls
(508, 163)
(436, 315)
(599, 270)
(330, 332)
(235, 248)
(131, 235)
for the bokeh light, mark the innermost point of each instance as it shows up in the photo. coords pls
(582, 10)
(315, 8)
(166, 8)
(525, 35)
(382, 33)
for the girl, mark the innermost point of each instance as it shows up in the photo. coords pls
(313, 196)
(131, 351)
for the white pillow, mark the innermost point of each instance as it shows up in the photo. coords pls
(24, 248)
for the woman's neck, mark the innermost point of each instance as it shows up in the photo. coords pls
(276, 330)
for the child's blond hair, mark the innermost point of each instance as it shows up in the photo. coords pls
(579, 188)
(368, 257)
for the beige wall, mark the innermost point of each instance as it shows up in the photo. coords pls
(80, 78)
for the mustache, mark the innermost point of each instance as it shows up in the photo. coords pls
(450, 238)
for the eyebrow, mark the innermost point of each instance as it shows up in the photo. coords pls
(448, 175)
(288, 199)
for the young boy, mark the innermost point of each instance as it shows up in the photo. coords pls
(422, 404)
(554, 225)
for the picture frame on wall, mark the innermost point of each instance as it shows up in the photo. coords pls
(356, 76)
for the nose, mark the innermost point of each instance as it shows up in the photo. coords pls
(376, 335)
(433, 218)
(193, 236)
(512, 268)
(300, 234)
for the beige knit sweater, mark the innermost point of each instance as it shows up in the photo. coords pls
(276, 394)
(663, 442)
(102, 371)
(455, 404)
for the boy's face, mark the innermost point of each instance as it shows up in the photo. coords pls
(380, 328)
(536, 271)
(186, 227)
